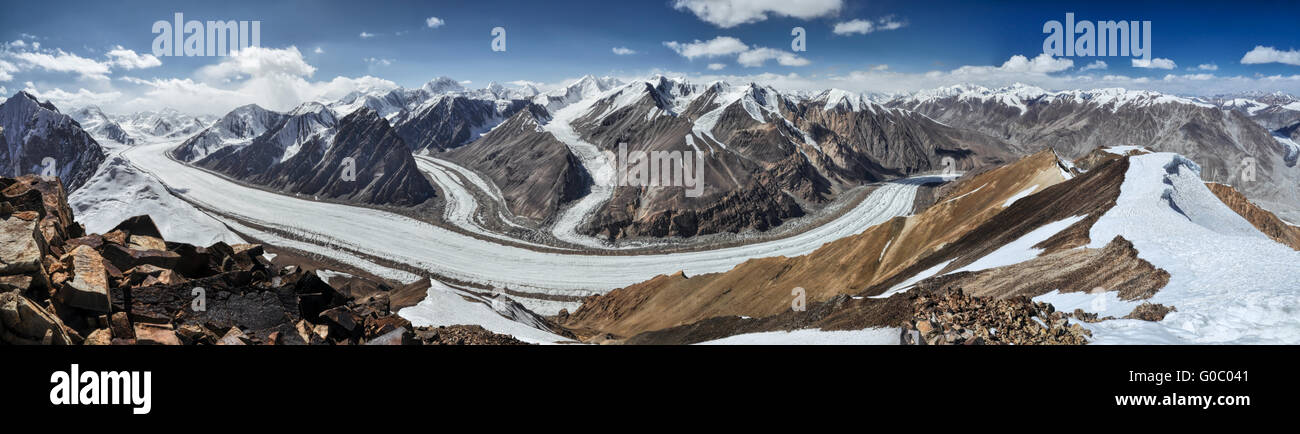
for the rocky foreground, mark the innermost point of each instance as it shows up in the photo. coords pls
(61, 286)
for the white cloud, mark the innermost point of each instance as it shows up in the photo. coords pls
(760, 55)
(1198, 77)
(275, 92)
(1262, 54)
(434, 22)
(6, 71)
(80, 98)
(18, 43)
(1156, 63)
(129, 59)
(719, 46)
(378, 61)
(717, 66)
(861, 26)
(1100, 64)
(319, 50)
(62, 61)
(1042, 64)
(731, 13)
(366, 35)
(257, 62)
(623, 51)
(880, 67)
(1208, 67)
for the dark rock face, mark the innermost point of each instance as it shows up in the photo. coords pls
(535, 172)
(451, 121)
(36, 136)
(282, 141)
(385, 171)
(359, 159)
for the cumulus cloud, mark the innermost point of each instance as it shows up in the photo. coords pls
(1155, 63)
(862, 27)
(434, 22)
(1208, 67)
(1100, 64)
(717, 66)
(760, 55)
(378, 61)
(6, 71)
(623, 51)
(731, 13)
(256, 62)
(367, 35)
(61, 61)
(129, 59)
(1262, 54)
(1018, 64)
(719, 46)
(319, 50)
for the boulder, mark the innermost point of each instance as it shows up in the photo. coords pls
(23, 322)
(99, 337)
(121, 326)
(57, 222)
(194, 334)
(139, 225)
(144, 242)
(115, 237)
(125, 258)
(155, 334)
(15, 283)
(234, 337)
(88, 286)
(22, 246)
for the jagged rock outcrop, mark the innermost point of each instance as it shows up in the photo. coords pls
(130, 286)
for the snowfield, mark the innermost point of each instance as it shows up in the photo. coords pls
(348, 233)
(1230, 283)
(447, 306)
(119, 190)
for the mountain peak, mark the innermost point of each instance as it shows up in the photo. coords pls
(442, 85)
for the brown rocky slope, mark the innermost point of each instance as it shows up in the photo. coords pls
(61, 286)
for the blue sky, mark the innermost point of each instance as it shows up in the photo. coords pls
(929, 44)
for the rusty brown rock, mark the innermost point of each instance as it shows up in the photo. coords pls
(99, 337)
(121, 326)
(88, 287)
(22, 246)
(155, 334)
(23, 322)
